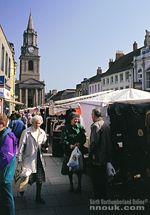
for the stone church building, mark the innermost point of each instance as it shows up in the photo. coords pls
(29, 89)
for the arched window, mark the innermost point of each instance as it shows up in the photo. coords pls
(30, 65)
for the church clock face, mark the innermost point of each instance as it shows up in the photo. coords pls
(30, 49)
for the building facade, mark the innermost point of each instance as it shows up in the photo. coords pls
(82, 88)
(95, 82)
(142, 66)
(127, 70)
(29, 89)
(7, 74)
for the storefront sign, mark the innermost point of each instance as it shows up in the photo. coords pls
(2, 80)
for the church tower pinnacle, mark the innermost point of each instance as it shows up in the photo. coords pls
(30, 23)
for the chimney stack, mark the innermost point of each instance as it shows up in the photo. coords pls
(99, 71)
(119, 54)
(110, 62)
(135, 46)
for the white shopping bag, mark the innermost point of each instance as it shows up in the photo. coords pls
(75, 162)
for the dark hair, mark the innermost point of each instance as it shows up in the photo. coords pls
(69, 111)
(72, 116)
(67, 116)
(96, 112)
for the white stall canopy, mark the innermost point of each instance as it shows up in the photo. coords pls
(100, 101)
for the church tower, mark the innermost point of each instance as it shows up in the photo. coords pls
(29, 59)
(29, 88)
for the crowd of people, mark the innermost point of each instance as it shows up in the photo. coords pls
(22, 141)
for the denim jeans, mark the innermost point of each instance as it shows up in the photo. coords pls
(7, 206)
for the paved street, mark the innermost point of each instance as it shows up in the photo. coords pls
(55, 192)
(58, 200)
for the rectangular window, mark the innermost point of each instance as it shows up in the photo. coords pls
(95, 88)
(92, 88)
(127, 75)
(6, 64)
(112, 79)
(116, 78)
(98, 87)
(9, 65)
(107, 80)
(103, 81)
(2, 59)
(147, 79)
(139, 76)
(121, 77)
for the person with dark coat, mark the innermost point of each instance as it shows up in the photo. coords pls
(17, 126)
(8, 148)
(73, 135)
(100, 154)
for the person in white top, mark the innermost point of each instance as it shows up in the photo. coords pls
(30, 154)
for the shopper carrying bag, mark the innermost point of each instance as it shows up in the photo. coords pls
(75, 163)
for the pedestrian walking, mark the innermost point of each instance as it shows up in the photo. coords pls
(30, 154)
(8, 148)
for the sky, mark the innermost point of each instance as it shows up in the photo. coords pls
(75, 36)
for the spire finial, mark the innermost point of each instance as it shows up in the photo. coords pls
(30, 22)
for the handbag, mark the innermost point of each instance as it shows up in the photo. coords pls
(21, 178)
